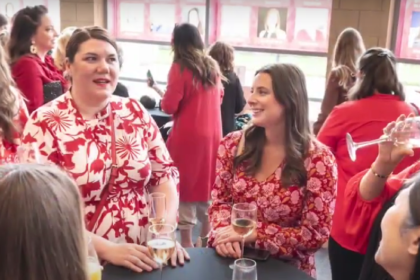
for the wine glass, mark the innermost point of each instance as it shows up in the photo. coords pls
(157, 208)
(245, 269)
(94, 267)
(161, 241)
(410, 135)
(244, 221)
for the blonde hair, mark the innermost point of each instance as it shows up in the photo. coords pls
(348, 48)
(59, 53)
(42, 225)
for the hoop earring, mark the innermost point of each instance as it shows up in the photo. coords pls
(33, 49)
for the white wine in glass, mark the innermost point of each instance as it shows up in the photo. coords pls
(409, 135)
(161, 242)
(244, 221)
(94, 267)
(157, 208)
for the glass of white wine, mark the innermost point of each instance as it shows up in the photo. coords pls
(161, 242)
(245, 269)
(94, 266)
(157, 208)
(244, 221)
(408, 135)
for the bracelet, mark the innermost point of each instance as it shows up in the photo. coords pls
(377, 174)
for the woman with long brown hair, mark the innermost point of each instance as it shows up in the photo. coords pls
(193, 96)
(278, 166)
(13, 113)
(42, 224)
(347, 51)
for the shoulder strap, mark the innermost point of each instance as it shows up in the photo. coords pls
(113, 176)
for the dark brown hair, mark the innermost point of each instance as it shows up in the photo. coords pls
(42, 221)
(9, 105)
(84, 34)
(378, 71)
(224, 55)
(189, 53)
(348, 48)
(25, 24)
(289, 87)
(414, 218)
(3, 20)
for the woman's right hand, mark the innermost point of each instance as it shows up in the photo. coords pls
(390, 154)
(132, 256)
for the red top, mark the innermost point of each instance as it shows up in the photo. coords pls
(364, 119)
(293, 221)
(360, 214)
(31, 74)
(196, 132)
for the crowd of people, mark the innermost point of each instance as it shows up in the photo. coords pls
(80, 158)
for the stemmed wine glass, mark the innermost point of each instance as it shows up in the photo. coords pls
(244, 221)
(410, 134)
(245, 269)
(157, 208)
(161, 241)
(94, 267)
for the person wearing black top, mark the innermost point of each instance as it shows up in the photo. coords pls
(233, 98)
(120, 90)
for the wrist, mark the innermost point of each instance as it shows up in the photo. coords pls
(382, 168)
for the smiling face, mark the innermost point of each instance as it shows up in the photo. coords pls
(266, 110)
(45, 35)
(95, 70)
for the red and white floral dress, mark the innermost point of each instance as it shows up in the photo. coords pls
(9, 151)
(293, 222)
(83, 149)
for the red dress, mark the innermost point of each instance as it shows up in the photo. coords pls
(31, 74)
(196, 132)
(293, 222)
(82, 147)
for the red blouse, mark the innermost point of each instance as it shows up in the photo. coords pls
(31, 74)
(360, 214)
(363, 123)
(293, 222)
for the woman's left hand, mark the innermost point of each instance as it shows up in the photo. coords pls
(227, 234)
(180, 255)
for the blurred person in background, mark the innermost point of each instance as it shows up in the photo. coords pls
(348, 48)
(193, 96)
(59, 51)
(32, 37)
(233, 99)
(4, 23)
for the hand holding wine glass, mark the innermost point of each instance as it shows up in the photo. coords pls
(157, 208)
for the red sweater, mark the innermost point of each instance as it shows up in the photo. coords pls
(31, 74)
(364, 119)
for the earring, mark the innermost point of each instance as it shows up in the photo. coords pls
(33, 49)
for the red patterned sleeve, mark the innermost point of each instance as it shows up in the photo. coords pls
(318, 206)
(219, 211)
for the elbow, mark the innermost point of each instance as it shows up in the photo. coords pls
(168, 107)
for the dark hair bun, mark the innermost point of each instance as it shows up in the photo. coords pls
(148, 102)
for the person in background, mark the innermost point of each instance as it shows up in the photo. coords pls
(41, 214)
(278, 166)
(348, 48)
(378, 87)
(36, 76)
(368, 192)
(233, 99)
(121, 90)
(112, 148)
(272, 26)
(13, 113)
(4, 23)
(193, 96)
(59, 51)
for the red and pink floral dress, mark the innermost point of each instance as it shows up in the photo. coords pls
(83, 149)
(293, 222)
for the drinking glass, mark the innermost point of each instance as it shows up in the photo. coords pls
(157, 208)
(161, 241)
(94, 267)
(410, 135)
(245, 269)
(244, 221)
